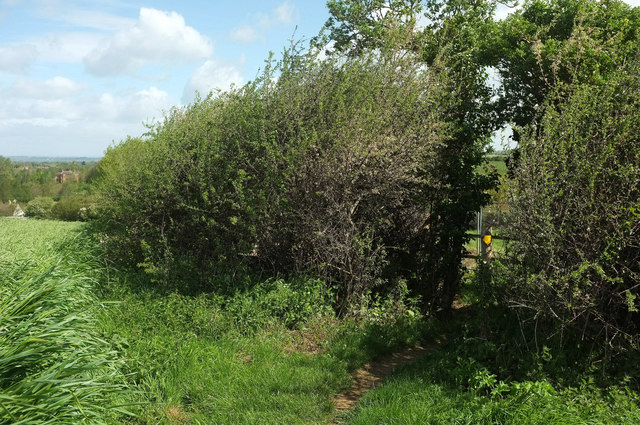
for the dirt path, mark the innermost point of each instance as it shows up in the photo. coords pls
(372, 375)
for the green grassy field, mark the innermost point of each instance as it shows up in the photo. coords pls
(82, 342)
(268, 352)
(211, 359)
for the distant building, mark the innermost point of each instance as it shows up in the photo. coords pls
(67, 176)
(18, 213)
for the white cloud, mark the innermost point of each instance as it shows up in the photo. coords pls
(91, 19)
(79, 123)
(71, 47)
(245, 34)
(17, 58)
(59, 101)
(211, 75)
(49, 89)
(146, 105)
(284, 13)
(157, 38)
(281, 15)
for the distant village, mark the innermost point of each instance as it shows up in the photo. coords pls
(33, 187)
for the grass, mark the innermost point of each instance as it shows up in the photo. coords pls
(83, 342)
(270, 352)
(484, 375)
(192, 365)
(54, 367)
(95, 339)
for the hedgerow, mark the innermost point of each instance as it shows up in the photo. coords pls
(576, 212)
(328, 167)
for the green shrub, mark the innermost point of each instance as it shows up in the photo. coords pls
(6, 210)
(576, 215)
(312, 171)
(332, 169)
(290, 303)
(70, 209)
(39, 207)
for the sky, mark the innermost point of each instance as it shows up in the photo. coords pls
(77, 76)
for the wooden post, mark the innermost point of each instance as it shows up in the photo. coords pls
(487, 248)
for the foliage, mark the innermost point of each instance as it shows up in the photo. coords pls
(7, 210)
(324, 170)
(54, 367)
(575, 210)
(23, 181)
(448, 44)
(72, 208)
(547, 42)
(39, 207)
(269, 351)
(490, 369)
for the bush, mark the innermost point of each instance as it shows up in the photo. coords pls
(577, 212)
(332, 169)
(39, 207)
(6, 210)
(70, 209)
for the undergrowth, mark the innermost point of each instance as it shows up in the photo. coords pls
(270, 352)
(501, 368)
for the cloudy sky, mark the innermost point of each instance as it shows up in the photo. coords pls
(79, 75)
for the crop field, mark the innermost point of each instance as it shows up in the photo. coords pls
(54, 365)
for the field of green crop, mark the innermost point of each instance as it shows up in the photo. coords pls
(54, 365)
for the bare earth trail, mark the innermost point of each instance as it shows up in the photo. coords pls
(372, 374)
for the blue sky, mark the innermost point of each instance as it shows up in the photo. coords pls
(79, 75)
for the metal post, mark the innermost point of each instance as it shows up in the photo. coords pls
(479, 232)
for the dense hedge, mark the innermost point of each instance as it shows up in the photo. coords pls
(576, 212)
(328, 167)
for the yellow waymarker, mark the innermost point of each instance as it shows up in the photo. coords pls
(486, 239)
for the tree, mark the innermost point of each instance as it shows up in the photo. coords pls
(448, 44)
(6, 179)
(547, 42)
(576, 211)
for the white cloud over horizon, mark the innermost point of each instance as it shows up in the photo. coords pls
(157, 37)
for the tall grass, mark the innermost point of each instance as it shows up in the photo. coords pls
(54, 367)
